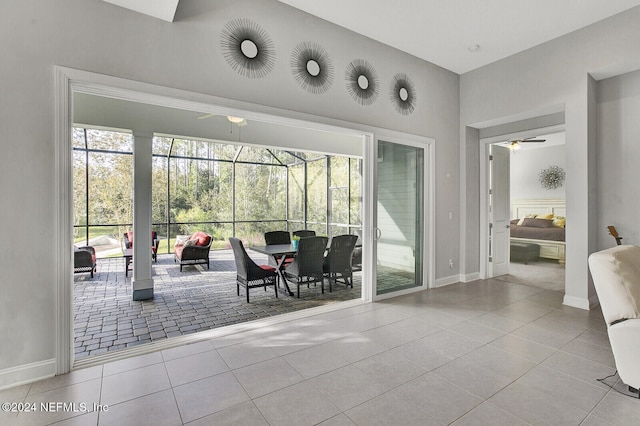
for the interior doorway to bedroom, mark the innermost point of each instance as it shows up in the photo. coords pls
(537, 189)
(525, 186)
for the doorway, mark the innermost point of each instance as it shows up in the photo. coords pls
(514, 192)
(70, 81)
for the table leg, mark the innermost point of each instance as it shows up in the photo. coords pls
(280, 269)
(127, 262)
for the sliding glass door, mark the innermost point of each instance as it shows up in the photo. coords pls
(400, 217)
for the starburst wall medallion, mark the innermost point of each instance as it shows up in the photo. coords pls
(403, 94)
(312, 67)
(362, 82)
(247, 48)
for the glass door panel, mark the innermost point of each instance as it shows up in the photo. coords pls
(400, 217)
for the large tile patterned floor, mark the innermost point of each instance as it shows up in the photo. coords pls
(488, 352)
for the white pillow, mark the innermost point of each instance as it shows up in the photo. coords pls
(190, 243)
(181, 239)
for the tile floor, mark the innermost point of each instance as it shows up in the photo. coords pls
(488, 352)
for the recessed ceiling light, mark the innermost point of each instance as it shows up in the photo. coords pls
(474, 48)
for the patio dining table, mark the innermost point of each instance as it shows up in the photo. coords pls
(278, 252)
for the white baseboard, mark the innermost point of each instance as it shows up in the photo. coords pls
(577, 302)
(27, 373)
(441, 282)
(471, 277)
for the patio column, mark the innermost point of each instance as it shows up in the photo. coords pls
(142, 282)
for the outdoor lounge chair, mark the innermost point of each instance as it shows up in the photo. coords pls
(127, 238)
(337, 263)
(306, 267)
(250, 274)
(84, 259)
(193, 251)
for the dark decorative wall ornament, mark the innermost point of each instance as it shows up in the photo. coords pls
(247, 48)
(552, 177)
(403, 94)
(362, 82)
(312, 67)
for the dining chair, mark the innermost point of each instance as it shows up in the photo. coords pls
(249, 273)
(337, 263)
(302, 233)
(277, 237)
(306, 267)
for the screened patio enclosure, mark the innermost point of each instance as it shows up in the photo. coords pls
(219, 187)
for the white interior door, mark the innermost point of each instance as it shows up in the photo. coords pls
(499, 210)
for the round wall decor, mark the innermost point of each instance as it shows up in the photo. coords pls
(312, 67)
(247, 48)
(403, 94)
(362, 82)
(552, 177)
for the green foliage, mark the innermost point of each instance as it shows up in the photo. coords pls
(200, 191)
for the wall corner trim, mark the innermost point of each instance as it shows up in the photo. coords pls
(27, 373)
(576, 302)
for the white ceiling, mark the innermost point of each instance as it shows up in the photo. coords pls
(442, 31)
(161, 9)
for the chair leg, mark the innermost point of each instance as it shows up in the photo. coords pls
(275, 287)
(247, 290)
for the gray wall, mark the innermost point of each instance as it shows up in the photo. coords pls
(526, 165)
(91, 35)
(618, 158)
(553, 77)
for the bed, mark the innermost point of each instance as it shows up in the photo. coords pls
(541, 222)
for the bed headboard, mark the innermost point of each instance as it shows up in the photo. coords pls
(521, 208)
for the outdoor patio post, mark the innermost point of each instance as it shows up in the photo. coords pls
(142, 282)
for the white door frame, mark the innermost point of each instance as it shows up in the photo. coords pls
(484, 186)
(68, 81)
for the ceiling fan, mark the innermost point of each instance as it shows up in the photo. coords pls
(514, 144)
(236, 120)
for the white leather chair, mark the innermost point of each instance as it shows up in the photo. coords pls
(616, 276)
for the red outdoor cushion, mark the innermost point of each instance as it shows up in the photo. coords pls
(178, 251)
(203, 239)
(267, 268)
(130, 236)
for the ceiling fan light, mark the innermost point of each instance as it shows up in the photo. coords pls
(236, 120)
(514, 146)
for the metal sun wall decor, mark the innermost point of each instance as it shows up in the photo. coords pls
(247, 48)
(312, 67)
(403, 94)
(552, 177)
(362, 81)
(250, 52)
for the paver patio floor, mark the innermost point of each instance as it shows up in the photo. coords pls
(107, 319)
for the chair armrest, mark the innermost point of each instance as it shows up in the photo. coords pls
(625, 341)
(88, 248)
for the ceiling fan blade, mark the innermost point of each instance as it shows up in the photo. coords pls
(534, 140)
(206, 116)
